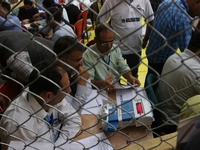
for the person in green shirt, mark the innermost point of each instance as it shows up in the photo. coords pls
(104, 60)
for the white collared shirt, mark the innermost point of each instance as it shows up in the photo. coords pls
(24, 120)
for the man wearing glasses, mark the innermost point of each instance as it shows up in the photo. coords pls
(70, 52)
(104, 61)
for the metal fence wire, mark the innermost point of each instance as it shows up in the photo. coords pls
(152, 119)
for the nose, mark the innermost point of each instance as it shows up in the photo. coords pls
(109, 46)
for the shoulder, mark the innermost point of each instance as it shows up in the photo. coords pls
(22, 9)
(18, 108)
(90, 50)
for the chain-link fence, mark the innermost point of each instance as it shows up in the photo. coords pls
(43, 107)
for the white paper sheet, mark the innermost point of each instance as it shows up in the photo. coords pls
(121, 86)
(93, 104)
(100, 140)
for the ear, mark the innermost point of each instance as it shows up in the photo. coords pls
(48, 96)
(62, 59)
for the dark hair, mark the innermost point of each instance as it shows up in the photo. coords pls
(55, 13)
(102, 27)
(47, 3)
(194, 44)
(6, 5)
(66, 45)
(47, 79)
(28, 2)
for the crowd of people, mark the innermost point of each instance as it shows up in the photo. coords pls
(55, 73)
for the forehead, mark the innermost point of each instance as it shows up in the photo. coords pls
(76, 53)
(107, 34)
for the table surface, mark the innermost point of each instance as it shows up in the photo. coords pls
(119, 139)
(166, 142)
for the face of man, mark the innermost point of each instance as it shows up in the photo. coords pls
(105, 41)
(57, 98)
(3, 11)
(74, 60)
(27, 7)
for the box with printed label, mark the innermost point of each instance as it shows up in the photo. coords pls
(127, 112)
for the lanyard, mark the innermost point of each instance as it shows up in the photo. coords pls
(107, 62)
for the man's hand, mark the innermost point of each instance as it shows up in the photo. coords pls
(134, 81)
(84, 76)
(106, 84)
(131, 79)
(109, 83)
(25, 21)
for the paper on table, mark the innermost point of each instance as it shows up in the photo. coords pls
(128, 94)
(93, 104)
(97, 142)
(121, 86)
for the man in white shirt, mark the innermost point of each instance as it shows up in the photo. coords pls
(40, 113)
(70, 53)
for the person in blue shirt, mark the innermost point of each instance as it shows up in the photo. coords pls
(7, 21)
(172, 30)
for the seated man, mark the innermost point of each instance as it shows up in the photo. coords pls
(70, 52)
(7, 21)
(104, 61)
(27, 12)
(179, 81)
(54, 20)
(40, 114)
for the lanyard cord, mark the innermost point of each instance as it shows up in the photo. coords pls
(107, 62)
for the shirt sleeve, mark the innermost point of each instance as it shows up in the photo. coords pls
(149, 14)
(8, 23)
(82, 94)
(104, 13)
(70, 119)
(184, 36)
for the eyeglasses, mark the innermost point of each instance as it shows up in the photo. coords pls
(105, 43)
